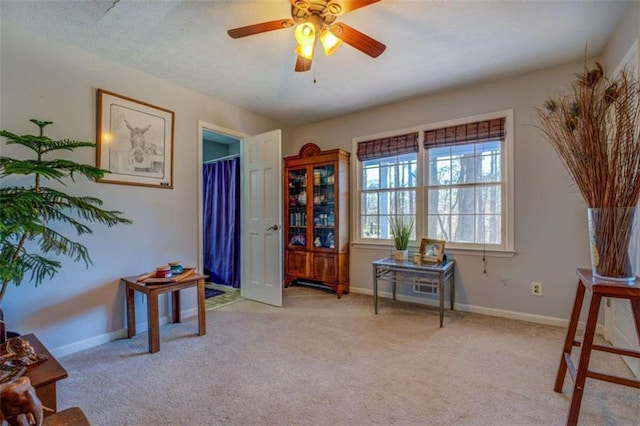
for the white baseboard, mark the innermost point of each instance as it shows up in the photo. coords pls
(521, 316)
(87, 343)
(114, 335)
(190, 312)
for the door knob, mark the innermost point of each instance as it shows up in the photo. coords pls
(274, 227)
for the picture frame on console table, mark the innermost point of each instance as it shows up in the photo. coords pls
(432, 251)
(134, 141)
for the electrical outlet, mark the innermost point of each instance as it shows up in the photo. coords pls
(536, 288)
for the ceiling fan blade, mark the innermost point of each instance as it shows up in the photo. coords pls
(347, 6)
(260, 28)
(359, 40)
(302, 64)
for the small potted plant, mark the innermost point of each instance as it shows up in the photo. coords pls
(401, 228)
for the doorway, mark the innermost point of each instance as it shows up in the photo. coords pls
(219, 213)
(260, 210)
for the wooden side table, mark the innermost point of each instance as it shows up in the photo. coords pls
(153, 292)
(599, 288)
(43, 375)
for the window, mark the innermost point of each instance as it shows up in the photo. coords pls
(389, 190)
(388, 183)
(464, 183)
(465, 193)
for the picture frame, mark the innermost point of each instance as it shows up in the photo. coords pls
(432, 251)
(134, 141)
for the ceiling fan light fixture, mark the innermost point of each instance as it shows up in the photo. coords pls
(305, 51)
(329, 41)
(313, 20)
(305, 34)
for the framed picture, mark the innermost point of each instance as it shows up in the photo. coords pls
(432, 251)
(134, 142)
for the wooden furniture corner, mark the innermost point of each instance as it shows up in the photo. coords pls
(43, 375)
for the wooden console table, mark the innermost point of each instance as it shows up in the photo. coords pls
(43, 375)
(153, 292)
(434, 276)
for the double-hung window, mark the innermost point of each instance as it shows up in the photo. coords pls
(458, 185)
(388, 179)
(464, 183)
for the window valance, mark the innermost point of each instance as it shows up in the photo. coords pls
(386, 147)
(481, 131)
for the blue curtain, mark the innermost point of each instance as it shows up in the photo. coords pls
(221, 221)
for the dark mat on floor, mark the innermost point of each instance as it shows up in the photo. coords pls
(211, 292)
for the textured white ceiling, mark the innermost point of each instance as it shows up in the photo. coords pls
(431, 46)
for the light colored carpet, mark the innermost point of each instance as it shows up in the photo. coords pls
(323, 361)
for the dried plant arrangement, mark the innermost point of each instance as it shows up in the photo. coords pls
(594, 128)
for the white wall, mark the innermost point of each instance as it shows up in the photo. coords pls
(45, 80)
(628, 31)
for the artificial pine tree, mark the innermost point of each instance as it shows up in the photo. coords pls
(27, 212)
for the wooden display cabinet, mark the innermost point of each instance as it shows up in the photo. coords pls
(316, 218)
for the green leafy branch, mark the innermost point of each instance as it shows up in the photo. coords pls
(27, 212)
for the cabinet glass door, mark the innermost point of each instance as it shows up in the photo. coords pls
(324, 210)
(297, 207)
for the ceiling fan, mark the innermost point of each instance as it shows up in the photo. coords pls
(313, 20)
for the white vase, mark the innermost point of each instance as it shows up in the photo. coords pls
(401, 254)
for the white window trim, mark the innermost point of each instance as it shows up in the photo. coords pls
(509, 205)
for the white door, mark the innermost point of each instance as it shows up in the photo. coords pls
(619, 325)
(261, 206)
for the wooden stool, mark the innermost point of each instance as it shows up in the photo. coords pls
(599, 288)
